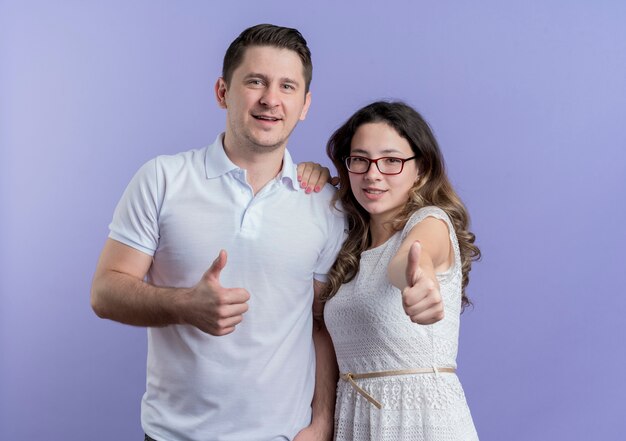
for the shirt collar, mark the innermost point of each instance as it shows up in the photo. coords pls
(289, 175)
(217, 164)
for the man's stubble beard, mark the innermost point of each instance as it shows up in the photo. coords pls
(255, 147)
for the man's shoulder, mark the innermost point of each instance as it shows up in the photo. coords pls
(177, 162)
(182, 157)
(325, 201)
(325, 195)
(328, 190)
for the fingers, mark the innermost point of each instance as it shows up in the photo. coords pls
(312, 176)
(315, 181)
(304, 173)
(234, 296)
(413, 296)
(229, 307)
(213, 273)
(412, 264)
(423, 303)
(428, 317)
(319, 177)
(302, 167)
(224, 326)
(228, 302)
(229, 317)
(427, 311)
(214, 309)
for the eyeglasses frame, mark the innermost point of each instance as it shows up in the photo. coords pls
(375, 161)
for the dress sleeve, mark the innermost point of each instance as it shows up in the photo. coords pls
(136, 218)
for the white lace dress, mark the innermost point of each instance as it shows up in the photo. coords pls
(371, 333)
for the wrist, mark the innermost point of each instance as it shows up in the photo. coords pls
(322, 427)
(179, 301)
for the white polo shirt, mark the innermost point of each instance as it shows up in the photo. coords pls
(257, 382)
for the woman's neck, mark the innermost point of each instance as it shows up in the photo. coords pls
(380, 232)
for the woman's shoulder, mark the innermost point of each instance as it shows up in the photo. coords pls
(422, 213)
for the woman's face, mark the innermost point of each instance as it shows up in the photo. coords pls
(383, 196)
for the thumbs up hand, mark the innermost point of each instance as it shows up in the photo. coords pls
(421, 299)
(212, 308)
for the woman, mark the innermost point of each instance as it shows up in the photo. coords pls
(398, 285)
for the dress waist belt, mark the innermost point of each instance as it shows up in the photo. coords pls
(350, 377)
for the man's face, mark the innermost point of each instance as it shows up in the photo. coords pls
(264, 100)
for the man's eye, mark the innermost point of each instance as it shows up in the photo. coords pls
(288, 87)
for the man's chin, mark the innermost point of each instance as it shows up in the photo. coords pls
(267, 145)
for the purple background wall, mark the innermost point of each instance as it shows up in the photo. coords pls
(528, 101)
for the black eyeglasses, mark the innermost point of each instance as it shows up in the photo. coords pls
(387, 165)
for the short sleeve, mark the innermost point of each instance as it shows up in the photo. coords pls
(338, 231)
(135, 220)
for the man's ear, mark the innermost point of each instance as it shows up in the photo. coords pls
(305, 109)
(220, 92)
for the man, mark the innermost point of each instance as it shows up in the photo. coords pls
(230, 348)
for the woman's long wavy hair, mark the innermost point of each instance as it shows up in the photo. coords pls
(431, 188)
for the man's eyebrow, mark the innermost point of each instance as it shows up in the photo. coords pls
(255, 75)
(290, 81)
(266, 78)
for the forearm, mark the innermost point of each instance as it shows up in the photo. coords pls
(326, 376)
(125, 299)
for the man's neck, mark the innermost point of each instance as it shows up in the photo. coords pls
(261, 167)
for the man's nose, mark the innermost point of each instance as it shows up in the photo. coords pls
(270, 97)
